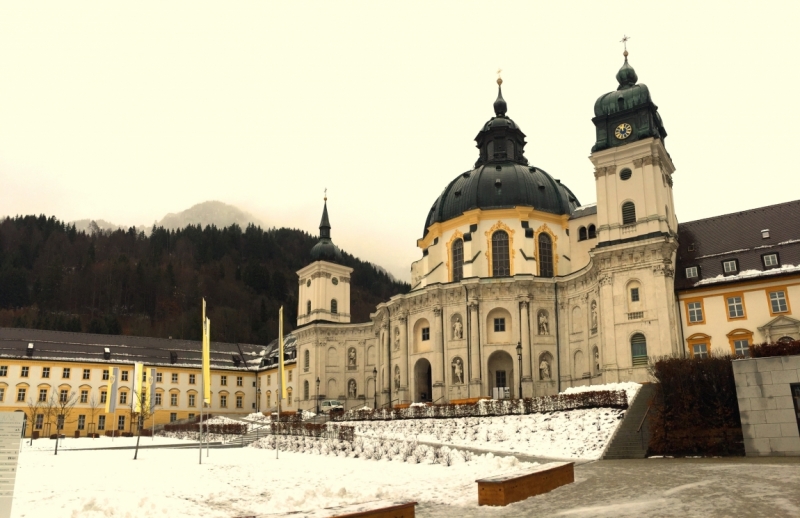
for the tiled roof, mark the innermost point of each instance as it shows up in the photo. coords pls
(59, 345)
(585, 210)
(706, 243)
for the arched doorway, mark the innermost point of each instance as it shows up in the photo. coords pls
(423, 386)
(501, 375)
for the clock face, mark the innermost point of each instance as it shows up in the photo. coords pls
(623, 131)
(335, 281)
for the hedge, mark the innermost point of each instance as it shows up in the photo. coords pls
(295, 427)
(491, 407)
(695, 410)
(775, 349)
(224, 429)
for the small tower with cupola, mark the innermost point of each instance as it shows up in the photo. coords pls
(324, 285)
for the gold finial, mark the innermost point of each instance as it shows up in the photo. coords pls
(499, 79)
(326, 194)
(624, 42)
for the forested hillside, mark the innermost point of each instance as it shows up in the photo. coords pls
(125, 282)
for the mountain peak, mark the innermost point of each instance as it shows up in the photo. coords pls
(209, 213)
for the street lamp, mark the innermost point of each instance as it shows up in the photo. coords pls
(375, 387)
(519, 357)
(317, 396)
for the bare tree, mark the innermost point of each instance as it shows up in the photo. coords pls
(63, 405)
(48, 407)
(143, 415)
(94, 407)
(34, 407)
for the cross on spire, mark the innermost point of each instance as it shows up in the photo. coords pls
(624, 42)
(326, 194)
(499, 79)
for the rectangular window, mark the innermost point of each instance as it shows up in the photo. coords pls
(124, 375)
(24, 373)
(500, 378)
(269, 379)
(191, 416)
(223, 401)
(86, 373)
(729, 266)
(778, 301)
(700, 350)
(158, 377)
(105, 374)
(2, 393)
(426, 333)
(499, 325)
(695, 312)
(770, 260)
(39, 423)
(174, 377)
(173, 416)
(103, 396)
(735, 307)
(173, 399)
(84, 396)
(121, 423)
(191, 379)
(62, 397)
(742, 348)
(191, 399)
(239, 381)
(81, 422)
(634, 294)
(45, 372)
(691, 272)
(43, 395)
(239, 400)
(123, 398)
(65, 373)
(4, 370)
(101, 422)
(290, 375)
(223, 380)
(158, 398)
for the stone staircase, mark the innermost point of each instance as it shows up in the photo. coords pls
(258, 432)
(627, 443)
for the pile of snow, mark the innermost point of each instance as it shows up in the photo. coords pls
(257, 416)
(631, 389)
(305, 415)
(749, 274)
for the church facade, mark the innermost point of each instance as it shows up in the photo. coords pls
(520, 289)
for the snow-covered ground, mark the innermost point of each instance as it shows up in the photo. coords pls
(84, 443)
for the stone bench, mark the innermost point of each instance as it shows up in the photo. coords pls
(506, 489)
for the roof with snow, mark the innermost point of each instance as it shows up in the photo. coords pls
(744, 237)
(65, 346)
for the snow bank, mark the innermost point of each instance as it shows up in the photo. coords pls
(631, 389)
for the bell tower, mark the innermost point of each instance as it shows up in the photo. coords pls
(324, 285)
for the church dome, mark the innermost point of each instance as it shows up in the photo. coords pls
(502, 177)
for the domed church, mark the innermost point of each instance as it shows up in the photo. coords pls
(520, 290)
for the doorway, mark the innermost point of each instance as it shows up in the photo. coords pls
(423, 385)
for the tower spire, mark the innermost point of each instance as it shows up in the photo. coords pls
(500, 106)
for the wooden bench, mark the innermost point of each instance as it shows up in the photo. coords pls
(506, 489)
(375, 509)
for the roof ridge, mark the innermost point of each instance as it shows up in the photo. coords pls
(741, 212)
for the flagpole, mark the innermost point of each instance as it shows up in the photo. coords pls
(200, 424)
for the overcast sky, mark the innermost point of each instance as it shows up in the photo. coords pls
(126, 113)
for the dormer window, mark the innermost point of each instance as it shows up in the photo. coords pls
(730, 267)
(692, 272)
(770, 260)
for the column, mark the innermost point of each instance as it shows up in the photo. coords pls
(438, 356)
(474, 351)
(402, 358)
(527, 379)
(608, 342)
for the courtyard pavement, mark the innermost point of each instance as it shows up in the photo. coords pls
(740, 487)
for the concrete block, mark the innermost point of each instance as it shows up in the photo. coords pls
(759, 378)
(767, 430)
(748, 392)
(776, 390)
(785, 376)
(784, 402)
(756, 447)
(753, 417)
(785, 445)
(763, 403)
(783, 415)
(743, 366)
(749, 431)
(790, 430)
(744, 404)
(769, 364)
(790, 362)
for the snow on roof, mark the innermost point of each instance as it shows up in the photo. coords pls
(749, 274)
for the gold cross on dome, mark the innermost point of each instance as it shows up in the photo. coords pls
(624, 41)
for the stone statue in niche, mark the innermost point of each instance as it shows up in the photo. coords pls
(397, 378)
(396, 339)
(351, 357)
(594, 315)
(458, 371)
(596, 362)
(544, 370)
(544, 326)
(351, 389)
(458, 329)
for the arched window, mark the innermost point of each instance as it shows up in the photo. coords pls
(305, 389)
(628, 213)
(458, 260)
(545, 255)
(592, 232)
(306, 359)
(334, 306)
(308, 307)
(582, 234)
(500, 259)
(639, 349)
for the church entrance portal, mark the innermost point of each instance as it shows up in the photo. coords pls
(423, 386)
(501, 375)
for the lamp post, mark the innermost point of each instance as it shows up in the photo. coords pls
(375, 387)
(519, 357)
(317, 396)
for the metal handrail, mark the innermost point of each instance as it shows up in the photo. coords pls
(441, 398)
(643, 418)
(389, 404)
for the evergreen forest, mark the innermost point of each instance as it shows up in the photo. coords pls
(53, 276)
